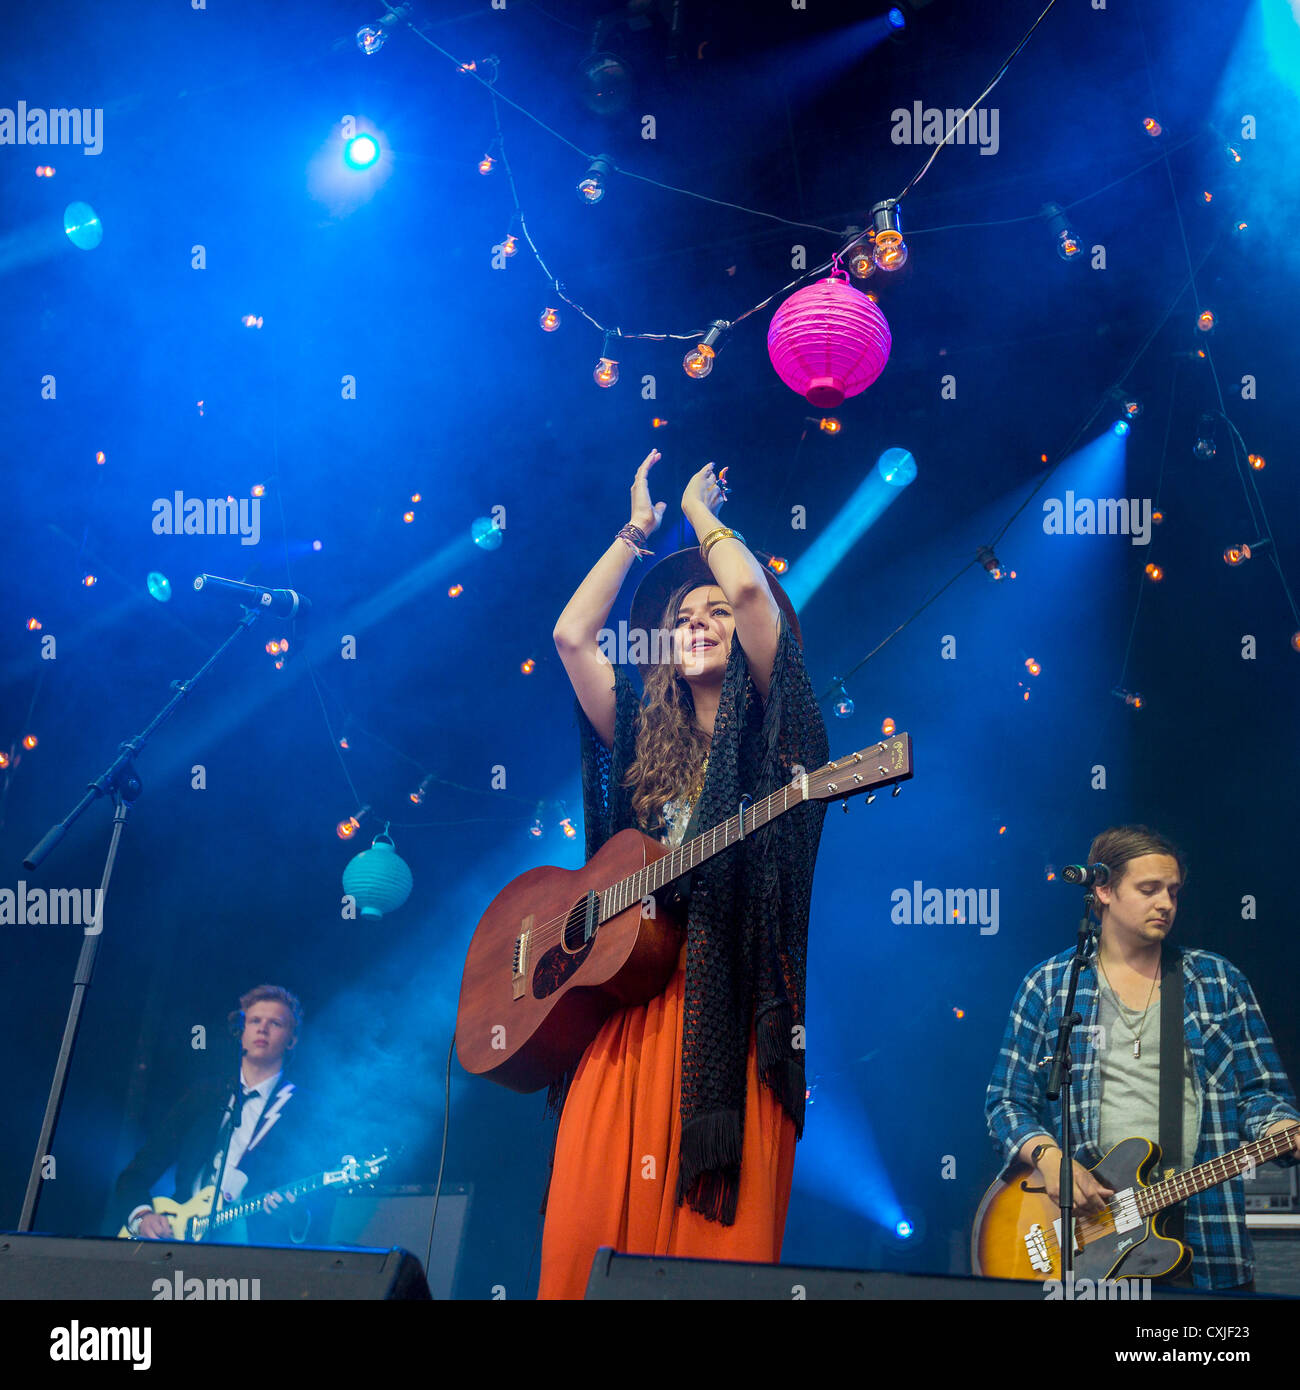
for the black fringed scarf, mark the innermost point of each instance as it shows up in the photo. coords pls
(747, 923)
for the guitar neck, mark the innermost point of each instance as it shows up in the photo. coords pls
(1217, 1170)
(298, 1189)
(694, 852)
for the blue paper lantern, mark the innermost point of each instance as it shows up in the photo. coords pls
(378, 879)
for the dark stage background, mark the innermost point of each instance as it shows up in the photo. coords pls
(221, 130)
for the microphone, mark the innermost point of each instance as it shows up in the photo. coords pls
(1086, 875)
(275, 603)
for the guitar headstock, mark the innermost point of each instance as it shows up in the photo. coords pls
(884, 764)
(354, 1171)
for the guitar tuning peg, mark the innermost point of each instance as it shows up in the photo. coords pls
(898, 787)
(845, 806)
(871, 796)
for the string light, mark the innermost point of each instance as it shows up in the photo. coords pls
(1295, 641)
(251, 321)
(346, 829)
(537, 829)
(1049, 873)
(408, 517)
(861, 262)
(1152, 127)
(4, 759)
(1256, 461)
(591, 189)
(1204, 446)
(486, 164)
(1234, 156)
(549, 320)
(887, 727)
(890, 250)
(1032, 667)
(844, 705)
(1130, 697)
(698, 362)
(507, 246)
(455, 591)
(1205, 321)
(829, 424)
(1068, 245)
(777, 564)
(418, 795)
(1236, 555)
(657, 423)
(100, 457)
(1158, 518)
(33, 624)
(29, 741)
(528, 667)
(89, 581)
(566, 825)
(44, 171)
(993, 567)
(1154, 573)
(258, 490)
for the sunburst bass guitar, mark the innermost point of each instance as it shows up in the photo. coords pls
(194, 1220)
(1017, 1230)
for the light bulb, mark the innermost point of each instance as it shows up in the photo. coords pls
(485, 164)
(1152, 126)
(890, 252)
(1205, 320)
(549, 320)
(508, 247)
(830, 424)
(592, 188)
(606, 373)
(1256, 461)
(370, 41)
(862, 265)
(1068, 246)
(699, 361)
(1236, 555)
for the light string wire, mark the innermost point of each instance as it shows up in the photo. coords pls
(839, 233)
(1001, 72)
(1062, 455)
(1240, 465)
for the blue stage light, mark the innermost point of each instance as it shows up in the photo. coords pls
(81, 223)
(361, 152)
(1120, 427)
(903, 1229)
(159, 586)
(486, 533)
(897, 467)
(897, 19)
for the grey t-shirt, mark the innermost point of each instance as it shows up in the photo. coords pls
(1130, 1086)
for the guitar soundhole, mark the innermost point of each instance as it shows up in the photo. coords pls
(558, 964)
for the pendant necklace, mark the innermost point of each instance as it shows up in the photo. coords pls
(1137, 1037)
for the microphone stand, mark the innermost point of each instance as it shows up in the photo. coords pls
(1060, 1080)
(120, 781)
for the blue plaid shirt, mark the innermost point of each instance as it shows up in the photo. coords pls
(1243, 1090)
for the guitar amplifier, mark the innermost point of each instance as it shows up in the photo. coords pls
(1273, 1188)
(403, 1216)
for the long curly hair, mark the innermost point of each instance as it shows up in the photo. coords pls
(670, 745)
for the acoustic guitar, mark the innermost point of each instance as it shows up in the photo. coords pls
(1017, 1229)
(559, 950)
(194, 1220)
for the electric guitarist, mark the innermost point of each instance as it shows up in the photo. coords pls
(1227, 1077)
(266, 1135)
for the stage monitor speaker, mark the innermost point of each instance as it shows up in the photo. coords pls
(93, 1267)
(615, 1276)
(1277, 1253)
(403, 1216)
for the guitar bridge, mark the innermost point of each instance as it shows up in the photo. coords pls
(1036, 1244)
(519, 965)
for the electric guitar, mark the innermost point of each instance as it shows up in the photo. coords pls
(559, 950)
(194, 1220)
(1017, 1230)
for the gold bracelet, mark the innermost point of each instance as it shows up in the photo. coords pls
(720, 533)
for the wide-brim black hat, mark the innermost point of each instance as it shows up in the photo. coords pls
(688, 567)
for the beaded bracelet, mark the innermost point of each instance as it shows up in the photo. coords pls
(635, 538)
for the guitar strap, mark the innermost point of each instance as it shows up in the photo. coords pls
(1172, 1042)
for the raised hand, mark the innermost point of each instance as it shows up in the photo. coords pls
(706, 489)
(646, 514)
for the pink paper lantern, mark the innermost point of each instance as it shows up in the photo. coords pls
(828, 341)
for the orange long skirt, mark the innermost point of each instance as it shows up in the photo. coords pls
(616, 1158)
